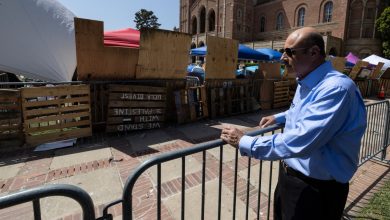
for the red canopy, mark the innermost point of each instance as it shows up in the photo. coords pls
(122, 38)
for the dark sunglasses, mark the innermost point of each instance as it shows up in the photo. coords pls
(292, 51)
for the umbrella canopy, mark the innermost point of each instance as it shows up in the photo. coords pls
(374, 59)
(122, 38)
(244, 53)
(352, 58)
(271, 53)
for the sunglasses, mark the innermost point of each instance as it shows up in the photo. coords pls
(292, 51)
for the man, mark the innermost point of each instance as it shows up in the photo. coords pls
(320, 144)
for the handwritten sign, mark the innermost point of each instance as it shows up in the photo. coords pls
(133, 107)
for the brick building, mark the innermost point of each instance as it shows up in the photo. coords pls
(347, 25)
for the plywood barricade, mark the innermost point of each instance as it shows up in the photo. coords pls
(375, 74)
(98, 62)
(221, 58)
(229, 97)
(163, 54)
(11, 131)
(363, 86)
(132, 107)
(357, 68)
(281, 94)
(191, 104)
(56, 113)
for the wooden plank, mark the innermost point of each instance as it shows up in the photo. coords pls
(213, 103)
(57, 91)
(56, 102)
(221, 101)
(136, 88)
(6, 98)
(191, 101)
(56, 136)
(135, 111)
(133, 127)
(137, 96)
(60, 126)
(136, 104)
(356, 69)
(69, 116)
(56, 110)
(167, 60)
(338, 63)
(221, 58)
(203, 96)
(8, 106)
(135, 119)
(10, 121)
(377, 71)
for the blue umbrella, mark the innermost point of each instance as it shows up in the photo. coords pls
(244, 53)
(272, 54)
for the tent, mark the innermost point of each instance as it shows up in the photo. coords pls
(351, 58)
(374, 59)
(37, 39)
(244, 53)
(271, 53)
(122, 38)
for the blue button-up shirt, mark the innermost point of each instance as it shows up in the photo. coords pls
(323, 128)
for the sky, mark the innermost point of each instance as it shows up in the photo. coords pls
(119, 14)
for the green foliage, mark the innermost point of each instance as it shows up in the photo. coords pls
(383, 26)
(146, 19)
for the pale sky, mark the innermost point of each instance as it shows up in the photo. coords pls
(119, 14)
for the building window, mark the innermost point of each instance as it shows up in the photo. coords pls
(279, 21)
(328, 9)
(301, 17)
(262, 24)
(238, 14)
(369, 14)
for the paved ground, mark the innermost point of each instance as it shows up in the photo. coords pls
(101, 167)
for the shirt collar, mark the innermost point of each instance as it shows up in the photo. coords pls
(314, 77)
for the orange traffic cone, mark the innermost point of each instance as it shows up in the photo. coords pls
(381, 94)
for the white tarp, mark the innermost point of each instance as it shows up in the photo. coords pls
(374, 59)
(37, 39)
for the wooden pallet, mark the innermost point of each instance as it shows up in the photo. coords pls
(281, 94)
(56, 113)
(191, 104)
(133, 107)
(11, 130)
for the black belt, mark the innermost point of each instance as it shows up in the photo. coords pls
(290, 171)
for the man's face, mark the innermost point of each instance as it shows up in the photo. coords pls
(296, 57)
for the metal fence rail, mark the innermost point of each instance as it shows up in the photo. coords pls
(34, 195)
(256, 196)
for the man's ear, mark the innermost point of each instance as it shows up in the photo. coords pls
(315, 50)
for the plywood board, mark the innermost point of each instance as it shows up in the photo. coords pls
(132, 107)
(221, 58)
(11, 130)
(56, 113)
(270, 70)
(338, 63)
(356, 69)
(163, 54)
(98, 62)
(377, 70)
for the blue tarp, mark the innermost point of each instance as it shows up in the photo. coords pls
(272, 54)
(244, 53)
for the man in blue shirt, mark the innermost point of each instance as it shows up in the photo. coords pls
(320, 144)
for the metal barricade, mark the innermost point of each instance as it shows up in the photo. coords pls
(35, 194)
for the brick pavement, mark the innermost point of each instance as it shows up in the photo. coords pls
(33, 169)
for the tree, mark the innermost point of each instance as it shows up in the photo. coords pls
(146, 19)
(383, 26)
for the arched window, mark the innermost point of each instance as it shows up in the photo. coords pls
(279, 21)
(328, 10)
(211, 20)
(301, 17)
(202, 18)
(262, 24)
(194, 25)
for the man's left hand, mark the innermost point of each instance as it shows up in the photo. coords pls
(231, 135)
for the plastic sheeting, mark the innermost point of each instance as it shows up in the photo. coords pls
(37, 39)
(271, 53)
(244, 53)
(122, 38)
(352, 58)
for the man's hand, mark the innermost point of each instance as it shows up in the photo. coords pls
(267, 121)
(231, 135)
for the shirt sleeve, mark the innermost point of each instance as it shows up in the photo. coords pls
(320, 122)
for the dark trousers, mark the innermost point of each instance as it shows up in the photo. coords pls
(300, 197)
